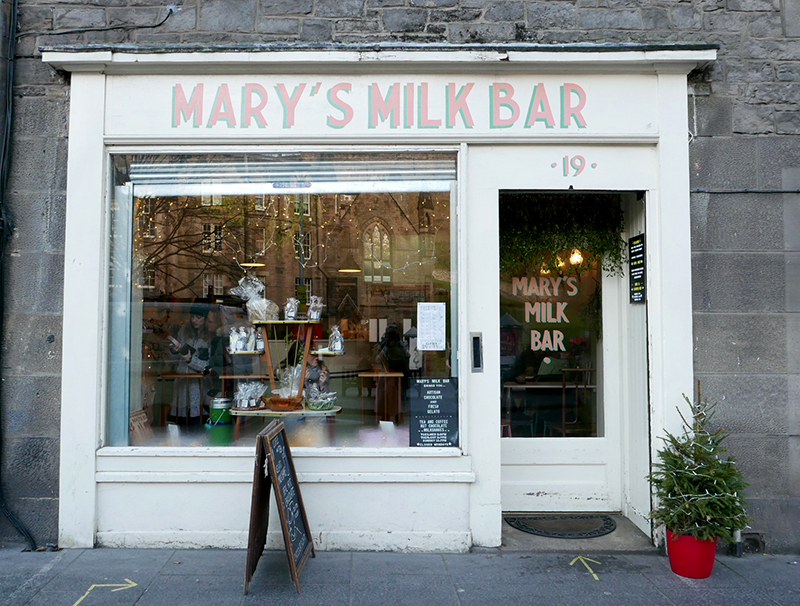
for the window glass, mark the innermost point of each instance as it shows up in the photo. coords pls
(368, 233)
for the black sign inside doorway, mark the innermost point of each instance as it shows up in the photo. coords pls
(433, 404)
(637, 268)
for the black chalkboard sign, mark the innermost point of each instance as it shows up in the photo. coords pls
(637, 268)
(274, 467)
(433, 408)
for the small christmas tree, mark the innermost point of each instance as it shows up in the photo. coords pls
(699, 493)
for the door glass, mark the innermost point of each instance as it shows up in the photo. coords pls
(550, 312)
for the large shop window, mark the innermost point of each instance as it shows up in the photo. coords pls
(367, 234)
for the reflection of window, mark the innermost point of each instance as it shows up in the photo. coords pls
(145, 220)
(213, 284)
(377, 255)
(302, 246)
(261, 241)
(302, 203)
(148, 276)
(212, 237)
(261, 204)
(307, 283)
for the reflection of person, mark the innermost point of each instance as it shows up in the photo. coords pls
(193, 358)
(316, 371)
(392, 357)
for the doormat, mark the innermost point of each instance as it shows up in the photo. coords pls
(564, 526)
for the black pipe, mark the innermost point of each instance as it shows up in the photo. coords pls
(5, 226)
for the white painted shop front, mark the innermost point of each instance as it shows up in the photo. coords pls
(481, 130)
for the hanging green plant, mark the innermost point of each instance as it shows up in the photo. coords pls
(542, 232)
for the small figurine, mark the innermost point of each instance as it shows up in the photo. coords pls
(242, 343)
(335, 341)
(251, 339)
(233, 340)
(315, 309)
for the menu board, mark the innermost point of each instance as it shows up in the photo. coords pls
(431, 326)
(433, 408)
(637, 268)
(274, 467)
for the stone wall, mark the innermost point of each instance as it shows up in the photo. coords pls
(744, 118)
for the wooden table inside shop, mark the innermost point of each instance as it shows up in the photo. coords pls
(398, 376)
(330, 416)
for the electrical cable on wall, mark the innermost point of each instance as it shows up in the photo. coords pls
(5, 227)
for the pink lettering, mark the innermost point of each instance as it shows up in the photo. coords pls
(457, 103)
(502, 94)
(289, 102)
(424, 120)
(249, 112)
(381, 108)
(342, 106)
(223, 108)
(182, 107)
(540, 108)
(568, 111)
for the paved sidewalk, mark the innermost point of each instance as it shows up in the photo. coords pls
(167, 577)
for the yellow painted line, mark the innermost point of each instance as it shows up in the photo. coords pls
(583, 560)
(119, 587)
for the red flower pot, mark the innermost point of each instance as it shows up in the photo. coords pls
(689, 556)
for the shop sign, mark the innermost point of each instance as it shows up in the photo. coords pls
(637, 268)
(396, 105)
(433, 406)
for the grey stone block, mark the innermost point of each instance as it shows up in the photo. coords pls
(788, 72)
(220, 15)
(656, 18)
(551, 15)
(714, 115)
(791, 18)
(34, 18)
(793, 410)
(38, 165)
(317, 30)
(754, 5)
(740, 343)
(750, 71)
(339, 8)
(29, 71)
(611, 19)
(385, 3)
(764, 461)
(753, 119)
(68, 18)
(725, 22)
(286, 7)
(794, 466)
(454, 16)
(505, 11)
(37, 221)
(30, 467)
(749, 404)
(353, 26)
(31, 406)
(433, 3)
(34, 283)
(272, 25)
(31, 342)
(792, 337)
(774, 155)
(774, 93)
(758, 48)
(480, 32)
(776, 519)
(787, 123)
(39, 516)
(686, 16)
(182, 21)
(764, 25)
(405, 20)
(741, 282)
(41, 116)
(792, 281)
(134, 16)
(723, 163)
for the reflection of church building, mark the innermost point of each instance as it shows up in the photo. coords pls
(367, 255)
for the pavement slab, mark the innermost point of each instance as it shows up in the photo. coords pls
(215, 577)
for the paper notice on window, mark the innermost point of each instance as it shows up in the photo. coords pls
(431, 326)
